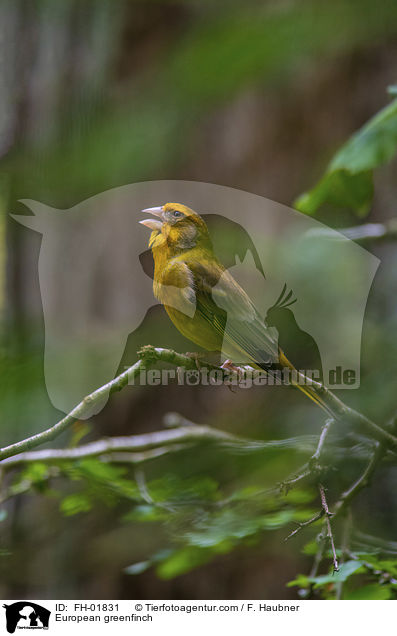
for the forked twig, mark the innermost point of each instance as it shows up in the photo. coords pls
(305, 524)
(328, 515)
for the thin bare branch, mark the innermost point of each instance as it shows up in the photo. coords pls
(362, 482)
(135, 445)
(305, 524)
(321, 537)
(313, 462)
(328, 515)
(344, 413)
(149, 356)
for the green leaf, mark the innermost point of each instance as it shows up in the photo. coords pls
(301, 581)
(348, 179)
(34, 476)
(345, 571)
(376, 563)
(35, 473)
(300, 496)
(341, 189)
(374, 592)
(73, 504)
(182, 561)
(95, 469)
(278, 519)
(310, 548)
(304, 515)
(230, 526)
(106, 478)
(174, 488)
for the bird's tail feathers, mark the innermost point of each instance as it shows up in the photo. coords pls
(305, 388)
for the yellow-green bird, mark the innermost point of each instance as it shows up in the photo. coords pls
(201, 297)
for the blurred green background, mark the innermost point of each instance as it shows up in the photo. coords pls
(257, 96)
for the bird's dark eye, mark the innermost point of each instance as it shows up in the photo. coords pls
(176, 214)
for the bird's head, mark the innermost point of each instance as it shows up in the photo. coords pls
(176, 227)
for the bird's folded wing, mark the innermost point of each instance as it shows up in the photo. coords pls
(222, 301)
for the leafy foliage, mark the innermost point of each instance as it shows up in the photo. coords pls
(348, 180)
(365, 576)
(203, 530)
(207, 517)
(101, 481)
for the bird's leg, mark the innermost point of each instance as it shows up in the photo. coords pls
(228, 365)
(241, 372)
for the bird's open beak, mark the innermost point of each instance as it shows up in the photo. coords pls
(153, 224)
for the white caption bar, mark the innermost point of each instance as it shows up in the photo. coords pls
(148, 617)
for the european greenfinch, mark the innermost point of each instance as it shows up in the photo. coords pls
(201, 297)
